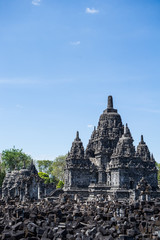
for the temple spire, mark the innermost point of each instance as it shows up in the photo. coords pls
(126, 129)
(24, 164)
(110, 102)
(142, 150)
(142, 140)
(77, 136)
(33, 168)
(152, 158)
(125, 145)
(77, 150)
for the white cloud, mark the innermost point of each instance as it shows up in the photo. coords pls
(90, 126)
(36, 2)
(76, 43)
(91, 10)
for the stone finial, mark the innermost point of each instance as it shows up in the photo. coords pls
(24, 164)
(110, 102)
(126, 129)
(142, 150)
(77, 136)
(142, 140)
(152, 157)
(33, 168)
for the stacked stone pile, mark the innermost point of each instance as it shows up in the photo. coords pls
(66, 218)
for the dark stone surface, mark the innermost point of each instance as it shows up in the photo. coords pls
(74, 219)
(25, 184)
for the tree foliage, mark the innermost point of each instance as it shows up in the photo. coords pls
(45, 166)
(47, 179)
(44, 176)
(158, 168)
(15, 158)
(53, 179)
(2, 174)
(60, 184)
(58, 167)
(54, 169)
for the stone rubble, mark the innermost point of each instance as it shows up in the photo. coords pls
(65, 217)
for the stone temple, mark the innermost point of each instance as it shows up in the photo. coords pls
(110, 165)
(25, 184)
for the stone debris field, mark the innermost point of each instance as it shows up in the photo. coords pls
(66, 218)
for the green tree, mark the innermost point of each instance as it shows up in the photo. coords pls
(158, 168)
(53, 179)
(47, 178)
(44, 176)
(45, 166)
(60, 184)
(58, 167)
(2, 174)
(15, 158)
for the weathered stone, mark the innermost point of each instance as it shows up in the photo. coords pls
(131, 232)
(6, 235)
(110, 164)
(125, 237)
(103, 231)
(24, 185)
(40, 232)
(134, 224)
(32, 227)
(18, 235)
(17, 226)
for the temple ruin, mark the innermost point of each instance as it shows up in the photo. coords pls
(110, 165)
(25, 184)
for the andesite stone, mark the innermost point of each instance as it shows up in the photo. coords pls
(110, 165)
(25, 185)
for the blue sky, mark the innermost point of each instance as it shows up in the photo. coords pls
(59, 60)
